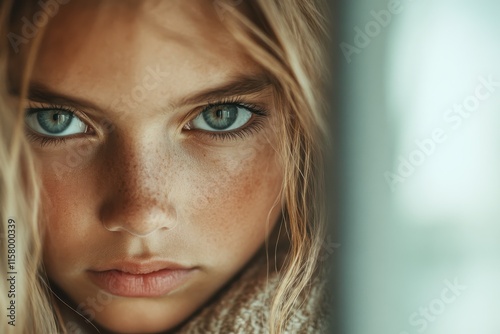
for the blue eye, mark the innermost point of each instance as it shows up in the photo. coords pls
(55, 122)
(223, 117)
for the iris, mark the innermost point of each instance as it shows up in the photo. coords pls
(54, 121)
(221, 117)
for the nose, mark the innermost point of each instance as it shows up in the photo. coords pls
(136, 181)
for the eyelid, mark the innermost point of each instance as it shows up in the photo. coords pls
(34, 107)
(238, 101)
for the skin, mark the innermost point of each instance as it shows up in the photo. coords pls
(140, 184)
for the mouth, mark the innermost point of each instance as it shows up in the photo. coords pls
(141, 279)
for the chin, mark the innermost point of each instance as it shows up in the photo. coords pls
(137, 318)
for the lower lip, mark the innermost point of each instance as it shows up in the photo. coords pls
(155, 284)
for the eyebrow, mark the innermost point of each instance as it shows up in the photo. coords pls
(237, 86)
(40, 92)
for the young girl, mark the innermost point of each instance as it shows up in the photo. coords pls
(162, 166)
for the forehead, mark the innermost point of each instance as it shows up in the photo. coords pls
(106, 46)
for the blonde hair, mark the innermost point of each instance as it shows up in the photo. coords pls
(291, 49)
(288, 40)
(19, 202)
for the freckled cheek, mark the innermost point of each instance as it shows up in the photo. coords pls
(233, 200)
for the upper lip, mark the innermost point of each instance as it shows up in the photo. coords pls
(142, 267)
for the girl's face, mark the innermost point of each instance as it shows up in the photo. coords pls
(156, 136)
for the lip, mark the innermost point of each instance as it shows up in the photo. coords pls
(141, 279)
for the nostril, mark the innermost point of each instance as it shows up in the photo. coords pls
(138, 220)
(138, 232)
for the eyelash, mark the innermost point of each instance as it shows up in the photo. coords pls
(249, 129)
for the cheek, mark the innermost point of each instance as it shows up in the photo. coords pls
(67, 209)
(233, 199)
(69, 200)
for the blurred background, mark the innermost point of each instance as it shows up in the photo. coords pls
(415, 178)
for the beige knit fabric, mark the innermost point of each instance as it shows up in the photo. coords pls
(243, 307)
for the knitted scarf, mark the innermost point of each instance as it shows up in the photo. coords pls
(243, 307)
